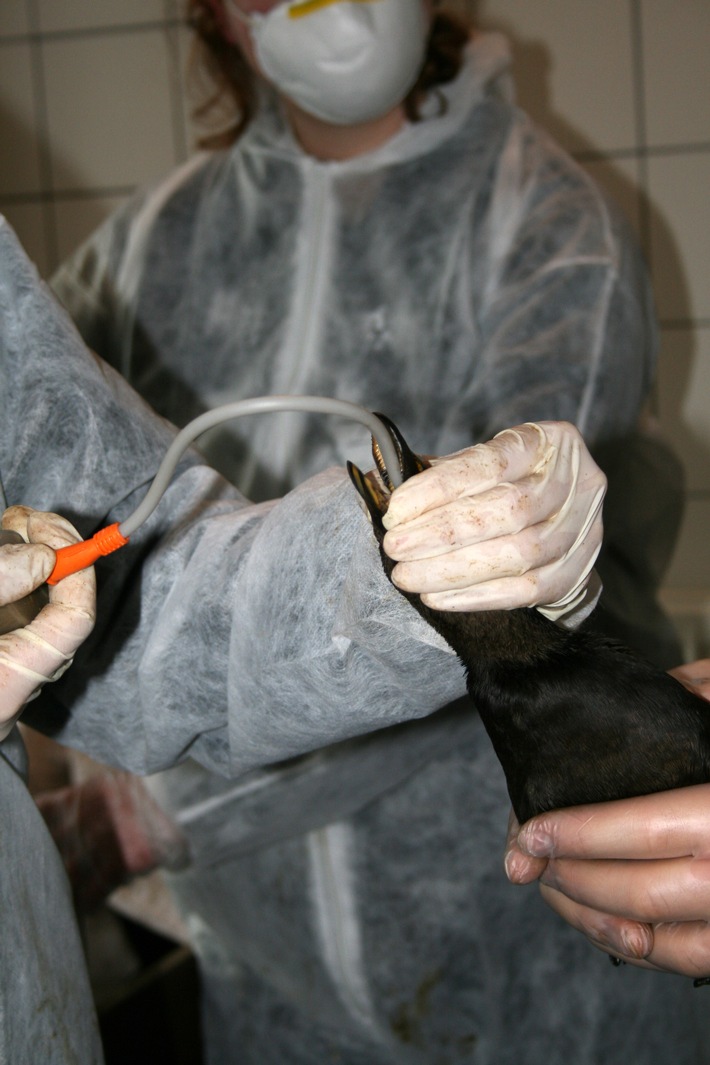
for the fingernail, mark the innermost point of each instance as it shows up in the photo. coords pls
(520, 869)
(536, 841)
(633, 941)
(514, 866)
(637, 942)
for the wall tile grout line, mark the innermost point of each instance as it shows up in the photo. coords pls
(177, 109)
(639, 97)
(643, 151)
(670, 324)
(82, 32)
(12, 199)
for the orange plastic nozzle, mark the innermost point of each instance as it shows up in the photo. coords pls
(78, 556)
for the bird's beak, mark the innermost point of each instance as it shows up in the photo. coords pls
(376, 487)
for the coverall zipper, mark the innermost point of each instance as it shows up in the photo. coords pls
(314, 253)
(301, 349)
(338, 924)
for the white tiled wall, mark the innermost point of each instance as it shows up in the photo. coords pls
(91, 106)
(92, 103)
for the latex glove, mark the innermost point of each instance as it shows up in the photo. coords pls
(511, 523)
(633, 876)
(43, 650)
(108, 830)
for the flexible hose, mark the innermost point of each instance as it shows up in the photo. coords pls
(258, 405)
(79, 556)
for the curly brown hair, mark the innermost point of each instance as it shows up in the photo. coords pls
(230, 92)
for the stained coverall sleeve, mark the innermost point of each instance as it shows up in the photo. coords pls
(235, 634)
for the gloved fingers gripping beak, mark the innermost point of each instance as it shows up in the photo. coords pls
(502, 511)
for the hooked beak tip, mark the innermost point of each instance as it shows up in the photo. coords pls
(375, 494)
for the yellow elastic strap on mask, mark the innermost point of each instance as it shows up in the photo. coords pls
(308, 7)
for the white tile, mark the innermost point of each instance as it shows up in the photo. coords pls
(683, 393)
(27, 219)
(690, 567)
(13, 18)
(109, 108)
(572, 65)
(680, 234)
(88, 14)
(676, 36)
(19, 158)
(77, 219)
(620, 179)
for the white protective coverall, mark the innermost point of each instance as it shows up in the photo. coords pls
(178, 652)
(349, 906)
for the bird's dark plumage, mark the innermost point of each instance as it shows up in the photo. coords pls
(574, 717)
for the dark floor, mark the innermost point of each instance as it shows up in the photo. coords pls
(149, 1012)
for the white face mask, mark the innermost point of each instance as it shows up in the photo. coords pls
(344, 61)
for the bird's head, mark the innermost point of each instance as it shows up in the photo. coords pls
(376, 487)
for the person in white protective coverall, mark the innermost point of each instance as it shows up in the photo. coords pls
(182, 610)
(411, 241)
